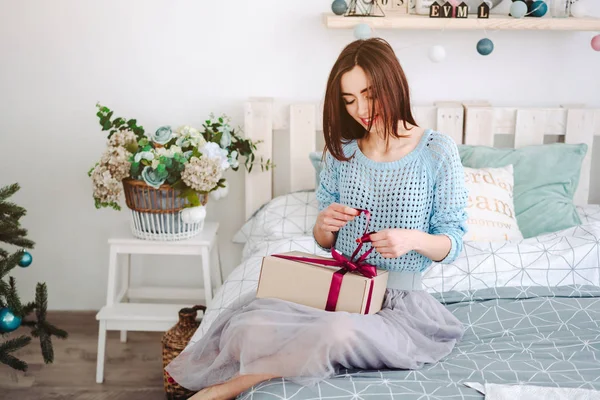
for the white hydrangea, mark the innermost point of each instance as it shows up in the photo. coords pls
(189, 136)
(215, 152)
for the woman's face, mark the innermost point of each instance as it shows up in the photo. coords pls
(358, 98)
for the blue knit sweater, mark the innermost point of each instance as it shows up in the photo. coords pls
(423, 190)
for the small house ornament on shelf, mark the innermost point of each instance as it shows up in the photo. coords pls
(483, 11)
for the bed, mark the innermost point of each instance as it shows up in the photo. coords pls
(531, 307)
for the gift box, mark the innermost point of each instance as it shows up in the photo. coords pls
(332, 284)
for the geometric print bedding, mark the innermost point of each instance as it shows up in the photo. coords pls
(537, 336)
(568, 257)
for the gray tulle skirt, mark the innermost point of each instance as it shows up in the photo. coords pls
(306, 345)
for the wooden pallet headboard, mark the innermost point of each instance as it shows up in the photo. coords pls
(290, 131)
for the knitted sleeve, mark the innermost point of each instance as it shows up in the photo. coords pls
(328, 190)
(449, 213)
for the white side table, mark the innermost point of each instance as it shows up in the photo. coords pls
(159, 317)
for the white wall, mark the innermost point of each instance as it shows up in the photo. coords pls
(166, 62)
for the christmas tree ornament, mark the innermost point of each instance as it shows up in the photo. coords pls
(539, 9)
(26, 260)
(362, 31)
(485, 47)
(518, 9)
(339, 7)
(437, 53)
(596, 43)
(8, 321)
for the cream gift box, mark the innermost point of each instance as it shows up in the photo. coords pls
(307, 283)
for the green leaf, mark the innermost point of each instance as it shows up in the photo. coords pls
(132, 122)
(143, 142)
(192, 197)
(106, 125)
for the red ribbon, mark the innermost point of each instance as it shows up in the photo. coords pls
(346, 265)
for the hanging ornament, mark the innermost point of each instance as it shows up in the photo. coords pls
(437, 53)
(485, 47)
(339, 7)
(539, 8)
(8, 321)
(362, 31)
(578, 10)
(518, 9)
(26, 260)
(596, 43)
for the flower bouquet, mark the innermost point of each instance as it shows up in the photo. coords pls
(167, 175)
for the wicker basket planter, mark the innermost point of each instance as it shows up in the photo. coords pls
(159, 214)
(173, 343)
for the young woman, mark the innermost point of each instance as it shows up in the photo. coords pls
(411, 182)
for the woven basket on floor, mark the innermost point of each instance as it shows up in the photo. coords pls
(155, 213)
(173, 342)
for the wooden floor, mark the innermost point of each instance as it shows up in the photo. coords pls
(133, 370)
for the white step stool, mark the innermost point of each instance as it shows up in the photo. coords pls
(152, 317)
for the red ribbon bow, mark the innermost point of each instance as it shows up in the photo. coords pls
(346, 265)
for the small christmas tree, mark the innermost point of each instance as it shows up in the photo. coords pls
(12, 311)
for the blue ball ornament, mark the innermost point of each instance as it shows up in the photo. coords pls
(362, 31)
(26, 260)
(539, 8)
(518, 9)
(8, 321)
(485, 47)
(339, 7)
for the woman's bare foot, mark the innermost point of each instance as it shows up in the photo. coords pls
(230, 389)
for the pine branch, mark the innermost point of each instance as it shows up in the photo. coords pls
(11, 212)
(7, 265)
(10, 346)
(46, 346)
(54, 331)
(44, 330)
(28, 308)
(3, 254)
(13, 300)
(14, 235)
(8, 191)
(4, 289)
(41, 302)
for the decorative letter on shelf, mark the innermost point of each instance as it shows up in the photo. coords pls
(462, 10)
(483, 11)
(434, 10)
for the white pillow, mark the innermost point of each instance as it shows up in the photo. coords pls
(491, 207)
(285, 216)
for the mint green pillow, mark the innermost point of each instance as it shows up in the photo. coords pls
(546, 177)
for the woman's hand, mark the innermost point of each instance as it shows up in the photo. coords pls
(334, 217)
(331, 220)
(392, 243)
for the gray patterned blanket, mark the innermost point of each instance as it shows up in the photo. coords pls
(543, 336)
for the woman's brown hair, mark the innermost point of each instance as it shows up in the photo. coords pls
(389, 89)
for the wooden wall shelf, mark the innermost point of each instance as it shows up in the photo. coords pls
(495, 22)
